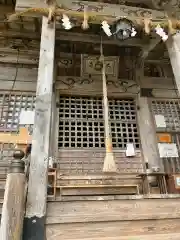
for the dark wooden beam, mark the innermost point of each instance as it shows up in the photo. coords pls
(74, 37)
(147, 48)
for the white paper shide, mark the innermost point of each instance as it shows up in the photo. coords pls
(26, 117)
(160, 121)
(168, 150)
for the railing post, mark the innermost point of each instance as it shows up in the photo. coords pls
(13, 204)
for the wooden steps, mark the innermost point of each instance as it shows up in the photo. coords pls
(90, 189)
(121, 219)
(103, 179)
(81, 185)
(169, 236)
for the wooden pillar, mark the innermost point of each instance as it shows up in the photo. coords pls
(34, 222)
(173, 46)
(148, 134)
(14, 202)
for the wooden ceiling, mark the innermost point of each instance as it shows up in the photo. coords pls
(25, 34)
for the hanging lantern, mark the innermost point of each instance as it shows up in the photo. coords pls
(123, 29)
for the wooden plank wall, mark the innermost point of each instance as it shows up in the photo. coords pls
(27, 77)
(23, 76)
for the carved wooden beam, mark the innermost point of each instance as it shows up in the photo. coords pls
(164, 4)
(74, 37)
(104, 10)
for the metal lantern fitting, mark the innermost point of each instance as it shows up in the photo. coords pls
(123, 29)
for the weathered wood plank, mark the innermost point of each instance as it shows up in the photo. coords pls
(169, 236)
(117, 210)
(18, 86)
(13, 204)
(118, 197)
(148, 134)
(8, 73)
(173, 45)
(114, 230)
(99, 190)
(74, 161)
(30, 59)
(37, 186)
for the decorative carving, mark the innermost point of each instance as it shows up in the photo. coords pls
(65, 62)
(118, 84)
(91, 65)
(91, 7)
(152, 70)
(163, 4)
(111, 10)
(71, 81)
(124, 86)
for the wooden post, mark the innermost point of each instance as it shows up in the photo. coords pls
(173, 46)
(34, 222)
(13, 204)
(148, 134)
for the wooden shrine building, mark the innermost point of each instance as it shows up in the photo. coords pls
(94, 87)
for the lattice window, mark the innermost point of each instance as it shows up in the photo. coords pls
(170, 109)
(81, 123)
(123, 123)
(10, 108)
(6, 151)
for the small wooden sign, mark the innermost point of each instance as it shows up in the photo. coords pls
(20, 138)
(160, 121)
(168, 150)
(164, 138)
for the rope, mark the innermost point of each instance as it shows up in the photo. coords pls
(55, 10)
(108, 141)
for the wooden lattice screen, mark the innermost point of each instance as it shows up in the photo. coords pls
(81, 123)
(10, 108)
(81, 134)
(170, 109)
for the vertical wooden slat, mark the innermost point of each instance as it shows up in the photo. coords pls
(173, 46)
(37, 186)
(148, 134)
